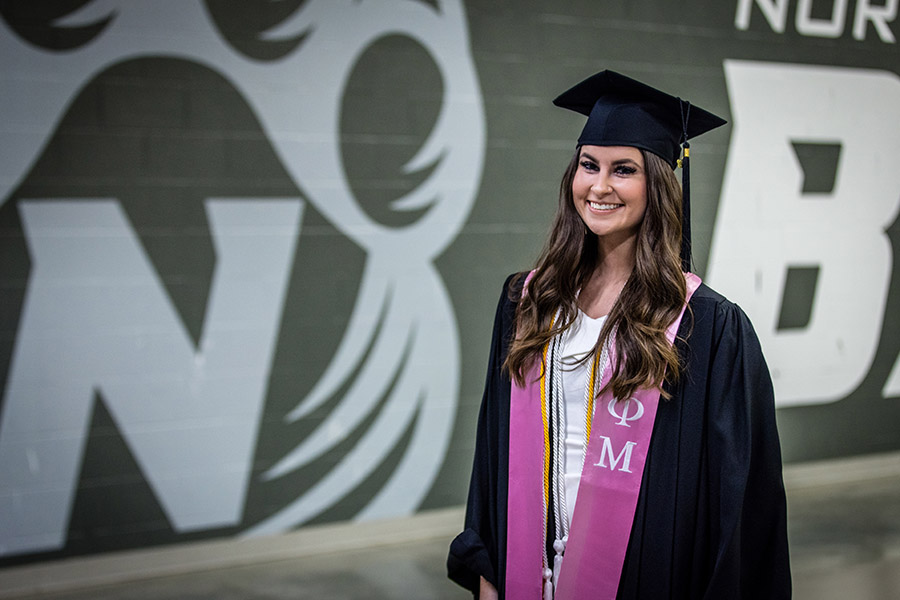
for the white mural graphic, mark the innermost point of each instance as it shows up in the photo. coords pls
(402, 311)
(766, 224)
(190, 416)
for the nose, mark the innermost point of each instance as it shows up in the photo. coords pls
(601, 185)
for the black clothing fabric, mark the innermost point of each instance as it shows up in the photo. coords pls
(711, 516)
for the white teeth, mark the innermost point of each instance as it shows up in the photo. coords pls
(598, 206)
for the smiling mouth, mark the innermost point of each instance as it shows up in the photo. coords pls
(599, 206)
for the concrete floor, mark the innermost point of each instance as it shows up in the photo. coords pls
(413, 570)
(844, 535)
(845, 540)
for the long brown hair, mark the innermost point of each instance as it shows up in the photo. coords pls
(650, 301)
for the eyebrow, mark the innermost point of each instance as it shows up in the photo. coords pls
(620, 161)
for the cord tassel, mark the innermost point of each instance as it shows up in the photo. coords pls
(548, 584)
(560, 547)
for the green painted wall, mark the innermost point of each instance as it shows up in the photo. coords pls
(250, 254)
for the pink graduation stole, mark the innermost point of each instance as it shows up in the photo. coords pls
(607, 494)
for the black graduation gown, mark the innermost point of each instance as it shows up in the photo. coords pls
(710, 521)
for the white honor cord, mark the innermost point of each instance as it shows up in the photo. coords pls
(559, 444)
(561, 514)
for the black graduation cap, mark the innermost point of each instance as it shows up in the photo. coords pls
(625, 112)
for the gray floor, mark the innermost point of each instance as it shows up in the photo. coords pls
(845, 543)
(413, 570)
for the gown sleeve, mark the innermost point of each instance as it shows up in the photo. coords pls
(745, 457)
(478, 550)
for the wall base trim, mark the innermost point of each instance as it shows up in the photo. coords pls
(130, 565)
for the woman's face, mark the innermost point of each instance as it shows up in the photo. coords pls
(610, 190)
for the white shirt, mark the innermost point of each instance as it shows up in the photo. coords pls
(577, 341)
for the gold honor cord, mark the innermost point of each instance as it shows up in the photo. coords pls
(544, 369)
(589, 413)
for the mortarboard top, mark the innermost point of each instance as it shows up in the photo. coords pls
(624, 112)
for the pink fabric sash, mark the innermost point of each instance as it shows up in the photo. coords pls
(607, 494)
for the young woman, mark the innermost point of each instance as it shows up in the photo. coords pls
(617, 379)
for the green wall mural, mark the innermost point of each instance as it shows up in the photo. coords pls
(251, 251)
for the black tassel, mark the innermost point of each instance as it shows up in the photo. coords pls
(685, 164)
(686, 209)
